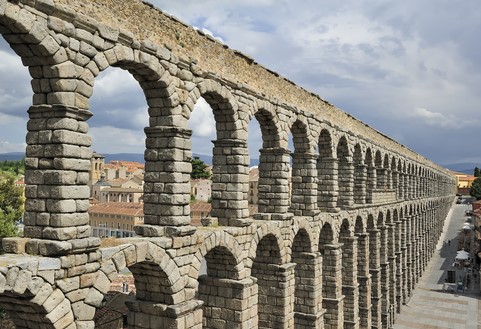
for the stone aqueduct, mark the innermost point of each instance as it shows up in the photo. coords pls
(343, 249)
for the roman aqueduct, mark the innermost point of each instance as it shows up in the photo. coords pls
(343, 249)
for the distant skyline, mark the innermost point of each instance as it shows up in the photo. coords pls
(409, 69)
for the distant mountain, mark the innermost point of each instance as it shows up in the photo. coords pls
(463, 167)
(137, 157)
(12, 156)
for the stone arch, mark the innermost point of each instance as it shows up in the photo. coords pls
(306, 272)
(224, 277)
(345, 174)
(325, 145)
(266, 268)
(31, 302)
(230, 253)
(301, 136)
(157, 276)
(350, 286)
(303, 171)
(273, 183)
(265, 113)
(308, 233)
(331, 270)
(274, 235)
(360, 175)
(224, 107)
(371, 179)
(327, 171)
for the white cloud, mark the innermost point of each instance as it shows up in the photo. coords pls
(202, 120)
(107, 139)
(437, 119)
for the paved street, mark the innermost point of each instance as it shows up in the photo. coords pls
(430, 307)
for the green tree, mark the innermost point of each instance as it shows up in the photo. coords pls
(475, 190)
(476, 172)
(199, 169)
(11, 205)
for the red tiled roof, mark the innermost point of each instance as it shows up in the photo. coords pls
(118, 208)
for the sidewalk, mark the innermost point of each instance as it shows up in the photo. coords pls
(430, 307)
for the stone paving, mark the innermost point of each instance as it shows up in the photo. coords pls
(430, 307)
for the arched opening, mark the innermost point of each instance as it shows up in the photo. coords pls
(273, 186)
(303, 183)
(306, 277)
(229, 158)
(331, 270)
(364, 277)
(254, 141)
(271, 284)
(371, 176)
(220, 291)
(16, 97)
(350, 287)
(380, 172)
(375, 270)
(360, 176)
(345, 175)
(117, 126)
(203, 126)
(327, 173)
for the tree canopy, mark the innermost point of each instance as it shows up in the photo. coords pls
(14, 167)
(199, 169)
(476, 172)
(475, 190)
(11, 205)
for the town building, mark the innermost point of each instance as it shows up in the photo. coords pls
(463, 182)
(115, 219)
(253, 194)
(201, 189)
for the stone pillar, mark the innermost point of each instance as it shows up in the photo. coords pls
(411, 186)
(360, 184)
(392, 259)
(346, 184)
(375, 270)
(229, 303)
(274, 184)
(230, 182)
(308, 311)
(276, 286)
(57, 194)
(400, 187)
(350, 285)
(328, 184)
(364, 279)
(409, 257)
(399, 266)
(385, 278)
(395, 183)
(143, 314)
(389, 179)
(332, 286)
(304, 185)
(371, 182)
(167, 182)
(381, 178)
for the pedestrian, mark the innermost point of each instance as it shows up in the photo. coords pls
(449, 242)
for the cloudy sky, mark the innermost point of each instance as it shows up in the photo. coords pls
(410, 69)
